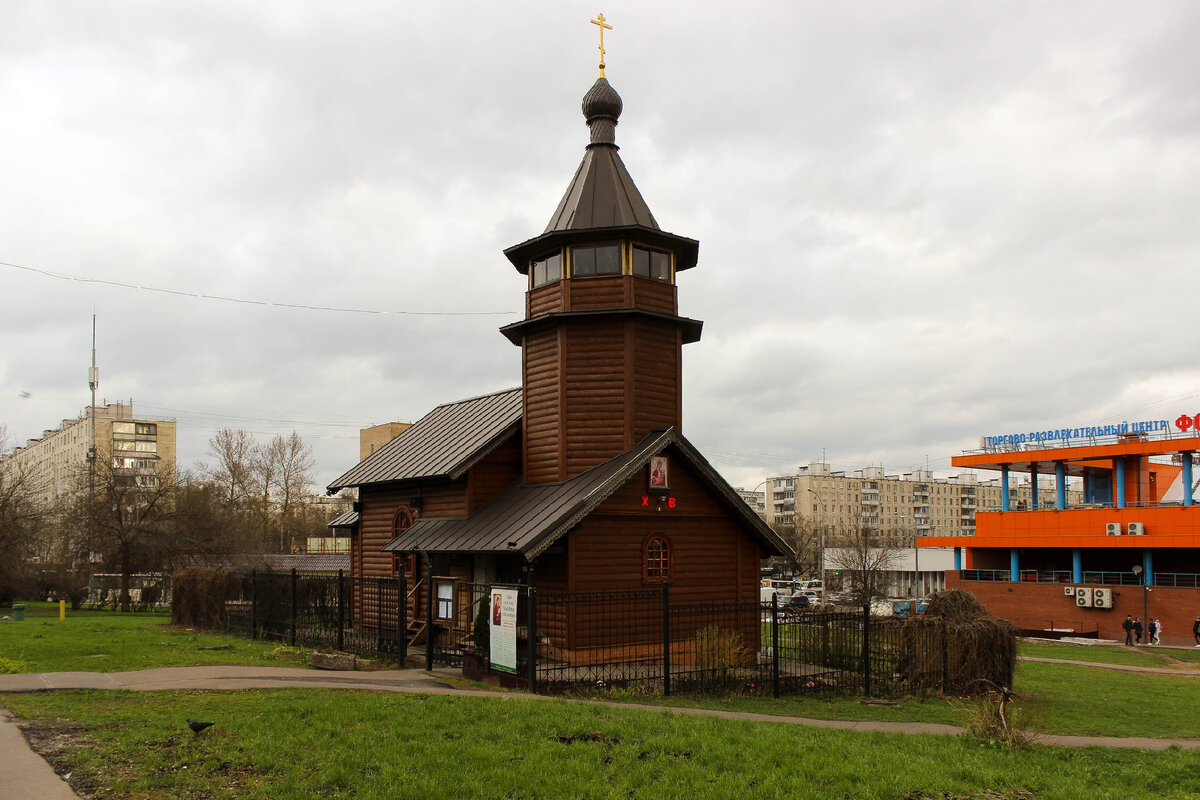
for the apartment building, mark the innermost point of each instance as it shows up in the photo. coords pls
(910, 504)
(54, 462)
(757, 500)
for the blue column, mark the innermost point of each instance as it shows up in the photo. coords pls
(1060, 479)
(1076, 565)
(1148, 566)
(1013, 565)
(1004, 488)
(1033, 488)
(958, 558)
(1120, 479)
(1187, 478)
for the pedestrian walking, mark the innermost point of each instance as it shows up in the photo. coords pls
(1196, 630)
(1127, 626)
(1152, 631)
(1137, 630)
(1157, 631)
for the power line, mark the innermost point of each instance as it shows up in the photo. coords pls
(269, 303)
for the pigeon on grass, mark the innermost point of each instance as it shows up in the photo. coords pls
(197, 726)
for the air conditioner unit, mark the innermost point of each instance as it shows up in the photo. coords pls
(1137, 529)
(1083, 597)
(1102, 598)
(1112, 528)
(1069, 591)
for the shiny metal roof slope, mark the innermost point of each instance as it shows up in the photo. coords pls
(346, 520)
(444, 443)
(528, 519)
(601, 195)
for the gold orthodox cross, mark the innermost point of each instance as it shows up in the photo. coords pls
(602, 25)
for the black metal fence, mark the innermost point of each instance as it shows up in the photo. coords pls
(643, 639)
(600, 640)
(340, 612)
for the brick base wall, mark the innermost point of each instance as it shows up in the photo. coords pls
(1044, 605)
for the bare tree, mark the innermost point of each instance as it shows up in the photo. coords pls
(867, 554)
(205, 524)
(233, 468)
(23, 521)
(129, 517)
(804, 538)
(293, 473)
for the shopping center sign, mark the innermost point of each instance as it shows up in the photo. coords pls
(1064, 435)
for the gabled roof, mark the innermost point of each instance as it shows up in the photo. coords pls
(527, 519)
(444, 443)
(345, 520)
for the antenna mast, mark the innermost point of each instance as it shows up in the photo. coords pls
(93, 382)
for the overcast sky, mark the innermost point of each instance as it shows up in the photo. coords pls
(919, 222)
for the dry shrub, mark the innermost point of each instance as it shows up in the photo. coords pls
(199, 596)
(958, 645)
(994, 719)
(719, 654)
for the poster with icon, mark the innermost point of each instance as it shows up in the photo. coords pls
(503, 630)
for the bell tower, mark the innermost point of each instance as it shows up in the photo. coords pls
(602, 338)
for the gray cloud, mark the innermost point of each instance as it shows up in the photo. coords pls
(919, 223)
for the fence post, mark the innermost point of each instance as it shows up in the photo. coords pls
(401, 623)
(666, 629)
(866, 651)
(341, 600)
(292, 634)
(430, 632)
(402, 603)
(531, 627)
(774, 645)
(253, 604)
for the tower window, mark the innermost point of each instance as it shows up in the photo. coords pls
(545, 270)
(601, 259)
(652, 264)
(657, 559)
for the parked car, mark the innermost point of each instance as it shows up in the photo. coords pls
(794, 604)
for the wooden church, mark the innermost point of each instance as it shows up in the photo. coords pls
(582, 477)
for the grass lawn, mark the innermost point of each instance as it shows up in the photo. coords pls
(1051, 698)
(1059, 698)
(366, 746)
(105, 641)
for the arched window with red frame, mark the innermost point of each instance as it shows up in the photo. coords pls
(656, 559)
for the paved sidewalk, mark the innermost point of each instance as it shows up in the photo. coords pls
(1185, 672)
(24, 775)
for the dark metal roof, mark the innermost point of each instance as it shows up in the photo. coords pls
(515, 331)
(528, 519)
(601, 195)
(444, 443)
(346, 520)
(602, 200)
(307, 562)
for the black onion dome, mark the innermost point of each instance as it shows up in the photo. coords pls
(602, 108)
